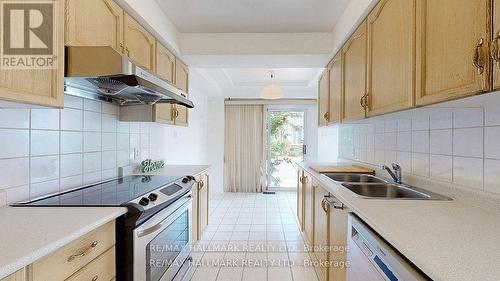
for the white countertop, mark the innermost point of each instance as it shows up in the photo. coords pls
(28, 234)
(448, 240)
(179, 170)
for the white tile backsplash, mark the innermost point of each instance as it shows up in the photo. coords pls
(50, 150)
(44, 168)
(45, 119)
(14, 143)
(447, 143)
(441, 142)
(14, 118)
(492, 142)
(468, 142)
(44, 143)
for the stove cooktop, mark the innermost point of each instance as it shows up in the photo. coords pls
(111, 193)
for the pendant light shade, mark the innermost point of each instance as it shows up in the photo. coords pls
(271, 92)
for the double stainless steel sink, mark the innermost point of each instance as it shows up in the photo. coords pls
(368, 186)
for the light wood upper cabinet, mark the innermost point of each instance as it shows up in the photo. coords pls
(308, 210)
(39, 86)
(495, 46)
(391, 56)
(354, 56)
(181, 115)
(335, 105)
(165, 63)
(323, 98)
(320, 229)
(449, 34)
(164, 113)
(140, 45)
(94, 23)
(181, 75)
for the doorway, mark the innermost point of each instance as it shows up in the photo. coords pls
(285, 146)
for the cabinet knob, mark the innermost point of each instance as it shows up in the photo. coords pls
(326, 116)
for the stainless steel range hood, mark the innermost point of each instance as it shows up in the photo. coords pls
(104, 72)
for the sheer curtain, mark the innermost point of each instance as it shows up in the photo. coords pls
(244, 161)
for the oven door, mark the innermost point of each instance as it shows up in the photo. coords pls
(162, 245)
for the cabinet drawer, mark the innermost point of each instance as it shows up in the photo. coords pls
(68, 260)
(100, 269)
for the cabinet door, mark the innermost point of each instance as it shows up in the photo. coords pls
(300, 199)
(496, 44)
(203, 194)
(449, 35)
(335, 89)
(391, 56)
(320, 229)
(181, 75)
(140, 45)
(163, 113)
(38, 86)
(323, 98)
(308, 210)
(17, 276)
(165, 63)
(354, 53)
(181, 115)
(94, 23)
(337, 236)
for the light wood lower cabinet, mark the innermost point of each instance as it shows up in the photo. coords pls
(321, 224)
(72, 257)
(323, 98)
(308, 210)
(164, 113)
(354, 69)
(452, 42)
(325, 228)
(39, 86)
(300, 199)
(181, 115)
(20, 275)
(102, 268)
(200, 211)
(391, 56)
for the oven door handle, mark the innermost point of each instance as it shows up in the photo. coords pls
(161, 224)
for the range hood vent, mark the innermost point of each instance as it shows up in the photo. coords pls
(104, 72)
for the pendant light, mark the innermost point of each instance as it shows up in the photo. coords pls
(271, 92)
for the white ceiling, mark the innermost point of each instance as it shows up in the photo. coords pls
(248, 82)
(253, 16)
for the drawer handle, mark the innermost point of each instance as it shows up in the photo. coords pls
(84, 252)
(494, 50)
(95, 278)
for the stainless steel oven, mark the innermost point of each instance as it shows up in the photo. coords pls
(162, 244)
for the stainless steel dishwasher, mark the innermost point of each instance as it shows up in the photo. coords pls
(371, 258)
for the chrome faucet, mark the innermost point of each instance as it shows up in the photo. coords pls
(396, 175)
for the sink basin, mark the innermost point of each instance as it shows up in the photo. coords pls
(354, 178)
(386, 191)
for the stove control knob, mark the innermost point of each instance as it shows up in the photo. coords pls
(144, 201)
(152, 197)
(185, 180)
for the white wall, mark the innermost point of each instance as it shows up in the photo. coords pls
(215, 142)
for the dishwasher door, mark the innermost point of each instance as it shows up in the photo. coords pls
(372, 259)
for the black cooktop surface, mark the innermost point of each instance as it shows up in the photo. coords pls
(111, 193)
